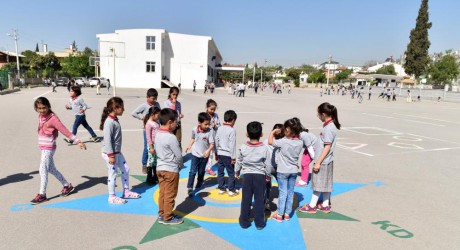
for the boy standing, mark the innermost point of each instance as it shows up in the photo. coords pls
(78, 105)
(254, 161)
(226, 146)
(203, 142)
(169, 164)
(139, 113)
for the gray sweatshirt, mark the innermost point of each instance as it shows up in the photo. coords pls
(112, 136)
(225, 141)
(141, 111)
(253, 158)
(168, 152)
(77, 104)
(290, 149)
(203, 140)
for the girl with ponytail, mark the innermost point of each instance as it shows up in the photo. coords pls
(111, 151)
(322, 176)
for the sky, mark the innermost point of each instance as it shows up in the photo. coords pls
(287, 33)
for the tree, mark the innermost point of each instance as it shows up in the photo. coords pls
(36, 48)
(444, 70)
(77, 65)
(417, 58)
(316, 77)
(293, 73)
(343, 75)
(387, 70)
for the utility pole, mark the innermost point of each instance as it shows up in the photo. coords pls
(15, 37)
(254, 73)
(261, 70)
(329, 65)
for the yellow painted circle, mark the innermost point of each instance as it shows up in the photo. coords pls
(214, 194)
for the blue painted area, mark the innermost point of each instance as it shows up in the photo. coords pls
(285, 235)
(21, 207)
(378, 183)
(304, 193)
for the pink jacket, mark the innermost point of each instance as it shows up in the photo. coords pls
(48, 127)
(151, 129)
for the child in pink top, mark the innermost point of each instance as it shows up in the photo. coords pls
(151, 126)
(48, 127)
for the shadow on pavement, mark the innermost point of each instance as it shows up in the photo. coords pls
(17, 178)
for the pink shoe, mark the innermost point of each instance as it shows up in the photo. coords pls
(130, 195)
(116, 200)
(210, 172)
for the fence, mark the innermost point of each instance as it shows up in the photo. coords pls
(4, 79)
(425, 94)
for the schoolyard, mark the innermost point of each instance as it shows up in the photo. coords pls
(396, 175)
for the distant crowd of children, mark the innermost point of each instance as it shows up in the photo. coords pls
(254, 162)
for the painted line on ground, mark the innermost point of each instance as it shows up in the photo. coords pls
(398, 118)
(355, 151)
(428, 118)
(423, 151)
(436, 139)
(355, 130)
(35, 98)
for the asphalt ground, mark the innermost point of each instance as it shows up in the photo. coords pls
(396, 174)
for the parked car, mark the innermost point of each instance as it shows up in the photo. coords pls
(93, 81)
(62, 81)
(81, 81)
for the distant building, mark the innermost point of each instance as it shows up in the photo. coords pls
(7, 57)
(144, 58)
(399, 69)
(60, 54)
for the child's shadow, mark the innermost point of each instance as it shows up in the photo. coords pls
(91, 182)
(17, 178)
(189, 205)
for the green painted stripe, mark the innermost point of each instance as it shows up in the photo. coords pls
(323, 216)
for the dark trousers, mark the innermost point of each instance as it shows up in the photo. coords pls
(225, 163)
(81, 120)
(152, 176)
(54, 89)
(194, 88)
(145, 154)
(268, 189)
(253, 186)
(198, 166)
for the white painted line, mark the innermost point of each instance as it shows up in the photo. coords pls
(423, 151)
(428, 118)
(392, 117)
(354, 151)
(406, 138)
(356, 130)
(436, 139)
(404, 145)
(35, 98)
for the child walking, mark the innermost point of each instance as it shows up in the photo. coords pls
(226, 150)
(322, 176)
(309, 143)
(211, 107)
(254, 163)
(175, 105)
(48, 127)
(151, 128)
(290, 148)
(111, 151)
(203, 144)
(78, 105)
(168, 166)
(139, 113)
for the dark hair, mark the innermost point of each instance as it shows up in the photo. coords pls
(329, 110)
(210, 103)
(152, 92)
(171, 90)
(166, 115)
(112, 104)
(294, 125)
(203, 116)
(152, 111)
(254, 130)
(72, 81)
(303, 128)
(76, 90)
(44, 101)
(279, 126)
(229, 116)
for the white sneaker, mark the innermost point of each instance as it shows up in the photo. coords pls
(231, 193)
(222, 191)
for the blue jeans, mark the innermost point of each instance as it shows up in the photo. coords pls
(286, 184)
(198, 166)
(145, 154)
(225, 163)
(81, 120)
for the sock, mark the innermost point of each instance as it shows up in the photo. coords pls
(326, 196)
(314, 198)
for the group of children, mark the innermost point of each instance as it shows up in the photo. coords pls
(255, 162)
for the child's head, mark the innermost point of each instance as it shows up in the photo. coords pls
(168, 119)
(173, 93)
(153, 114)
(75, 91)
(292, 127)
(114, 106)
(254, 130)
(230, 116)
(43, 106)
(327, 111)
(211, 106)
(152, 95)
(281, 133)
(204, 120)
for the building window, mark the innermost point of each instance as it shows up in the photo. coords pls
(150, 67)
(150, 42)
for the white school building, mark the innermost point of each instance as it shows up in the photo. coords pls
(146, 58)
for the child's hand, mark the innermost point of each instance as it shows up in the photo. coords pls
(67, 106)
(112, 160)
(213, 124)
(152, 151)
(316, 168)
(206, 153)
(268, 179)
(82, 111)
(237, 176)
(82, 145)
(181, 116)
(276, 131)
(233, 161)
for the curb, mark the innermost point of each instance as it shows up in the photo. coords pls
(9, 91)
